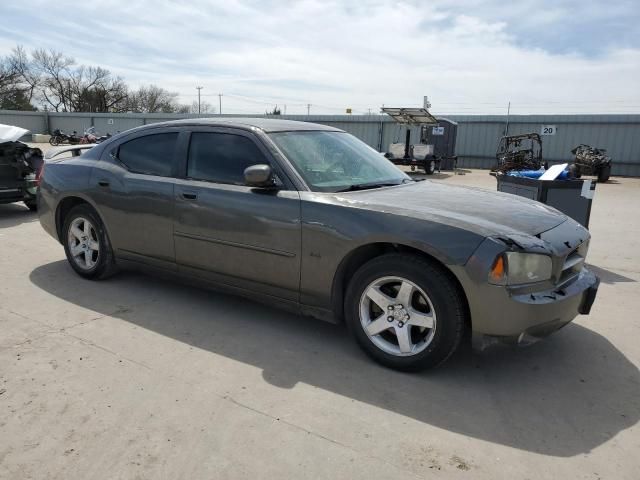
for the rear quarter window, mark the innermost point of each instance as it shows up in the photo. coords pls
(151, 154)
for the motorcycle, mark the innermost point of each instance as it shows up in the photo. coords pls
(103, 138)
(60, 138)
(89, 136)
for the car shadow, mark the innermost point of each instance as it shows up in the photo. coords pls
(14, 214)
(561, 397)
(607, 276)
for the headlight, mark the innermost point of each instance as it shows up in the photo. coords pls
(514, 268)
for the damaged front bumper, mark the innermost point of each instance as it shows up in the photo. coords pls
(524, 314)
(543, 313)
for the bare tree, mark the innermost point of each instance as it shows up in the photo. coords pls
(66, 87)
(16, 83)
(29, 78)
(153, 99)
(205, 107)
(55, 80)
(8, 77)
(55, 70)
(94, 89)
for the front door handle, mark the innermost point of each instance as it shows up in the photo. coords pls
(103, 183)
(189, 196)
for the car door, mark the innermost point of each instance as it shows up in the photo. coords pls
(231, 233)
(133, 185)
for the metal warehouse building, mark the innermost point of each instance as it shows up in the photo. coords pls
(477, 137)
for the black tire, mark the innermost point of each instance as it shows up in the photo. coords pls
(577, 172)
(448, 304)
(604, 173)
(429, 167)
(31, 205)
(54, 140)
(104, 263)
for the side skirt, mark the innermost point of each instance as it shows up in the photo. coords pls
(172, 274)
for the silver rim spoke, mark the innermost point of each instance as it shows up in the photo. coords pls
(419, 319)
(377, 326)
(403, 335)
(83, 243)
(404, 294)
(76, 250)
(380, 299)
(397, 316)
(77, 233)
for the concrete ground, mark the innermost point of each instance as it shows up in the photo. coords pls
(138, 378)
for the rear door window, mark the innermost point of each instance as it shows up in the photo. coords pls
(151, 154)
(221, 157)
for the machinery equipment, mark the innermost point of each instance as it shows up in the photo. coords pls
(591, 161)
(519, 152)
(416, 156)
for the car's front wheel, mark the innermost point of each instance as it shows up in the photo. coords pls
(405, 312)
(86, 243)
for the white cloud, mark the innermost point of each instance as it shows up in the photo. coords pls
(469, 57)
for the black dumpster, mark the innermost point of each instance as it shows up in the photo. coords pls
(571, 197)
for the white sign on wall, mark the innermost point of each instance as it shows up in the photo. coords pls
(110, 121)
(548, 130)
(437, 131)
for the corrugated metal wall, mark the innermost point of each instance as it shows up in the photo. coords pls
(476, 144)
(32, 121)
(619, 134)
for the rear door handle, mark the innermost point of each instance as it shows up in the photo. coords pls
(103, 183)
(189, 196)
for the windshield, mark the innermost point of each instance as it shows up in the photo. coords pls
(337, 161)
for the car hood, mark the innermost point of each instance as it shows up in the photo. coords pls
(9, 133)
(482, 211)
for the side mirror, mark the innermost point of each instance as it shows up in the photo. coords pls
(259, 176)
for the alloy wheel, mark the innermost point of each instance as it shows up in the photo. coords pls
(83, 242)
(397, 316)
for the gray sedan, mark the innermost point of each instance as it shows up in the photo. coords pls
(311, 219)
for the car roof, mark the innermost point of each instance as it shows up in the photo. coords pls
(265, 124)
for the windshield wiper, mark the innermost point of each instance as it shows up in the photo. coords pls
(368, 186)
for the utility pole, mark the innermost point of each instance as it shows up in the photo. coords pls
(220, 102)
(285, 109)
(199, 88)
(506, 128)
(308, 108)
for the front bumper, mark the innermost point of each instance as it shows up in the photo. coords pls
(527, 317)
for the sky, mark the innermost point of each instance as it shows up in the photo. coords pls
(467, 56)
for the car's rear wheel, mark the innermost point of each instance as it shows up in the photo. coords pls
(405, 312)
(86, 243)
(31, 204)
